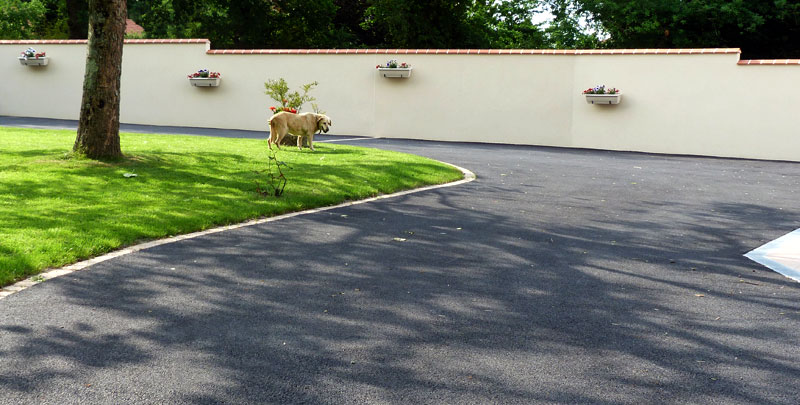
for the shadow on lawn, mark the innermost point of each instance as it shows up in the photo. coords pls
(173, 193)
(595, 304)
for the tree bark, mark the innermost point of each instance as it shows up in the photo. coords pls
(98, 128)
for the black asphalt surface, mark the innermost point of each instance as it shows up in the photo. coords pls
(558, 276)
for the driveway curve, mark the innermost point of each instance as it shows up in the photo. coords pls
(558, 276)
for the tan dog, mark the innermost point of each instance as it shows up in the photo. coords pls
(299, 125)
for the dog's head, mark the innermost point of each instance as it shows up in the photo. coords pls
(323, 123)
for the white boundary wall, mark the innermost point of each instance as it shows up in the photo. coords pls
(700, 102)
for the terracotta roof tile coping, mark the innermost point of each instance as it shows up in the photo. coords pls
(770, 62)
(699, 51)
(83, 41)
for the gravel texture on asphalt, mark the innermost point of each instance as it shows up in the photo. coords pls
(558, 276)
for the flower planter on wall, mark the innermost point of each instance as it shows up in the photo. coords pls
(204, 81)
(603, 98)
(395, 72)
(40, 61)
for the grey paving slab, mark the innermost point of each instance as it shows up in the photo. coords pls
(558, 276)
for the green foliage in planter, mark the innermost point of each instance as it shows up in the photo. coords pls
(279, 91)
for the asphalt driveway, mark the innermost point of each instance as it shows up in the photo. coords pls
(558, 276)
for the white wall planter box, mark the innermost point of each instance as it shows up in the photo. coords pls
(204, 81)
(40, 61)
(395, 72)
(603, 98)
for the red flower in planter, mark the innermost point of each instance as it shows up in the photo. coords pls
(601, 90)
(204, 73)
(283, 109)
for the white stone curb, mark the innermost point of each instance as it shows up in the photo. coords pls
(50, 274)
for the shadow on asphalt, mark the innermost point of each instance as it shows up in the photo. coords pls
(598, 278)
(308, 313)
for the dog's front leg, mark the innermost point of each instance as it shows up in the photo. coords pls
(311, 142)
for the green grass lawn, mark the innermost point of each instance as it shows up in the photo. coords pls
(56, 209)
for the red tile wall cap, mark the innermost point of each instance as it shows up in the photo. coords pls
(42, 41)
(697, 51)
(167, 41)
(83, 41)
(770, 62)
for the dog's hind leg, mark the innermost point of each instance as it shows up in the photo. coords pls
(273, 134)
(278, 138)
(269, 138)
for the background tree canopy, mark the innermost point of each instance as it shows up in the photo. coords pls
(762, 28)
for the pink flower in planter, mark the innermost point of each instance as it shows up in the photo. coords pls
(204, 73)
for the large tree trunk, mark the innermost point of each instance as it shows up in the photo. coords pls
(98, 128)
